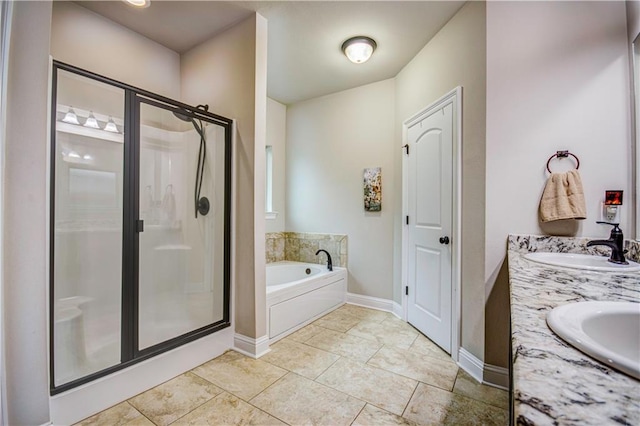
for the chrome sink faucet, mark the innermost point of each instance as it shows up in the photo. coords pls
(615, 242)
(329, 262)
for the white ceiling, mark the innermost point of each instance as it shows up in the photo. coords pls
(304, 56)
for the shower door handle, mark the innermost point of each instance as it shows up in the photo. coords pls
(139, 225)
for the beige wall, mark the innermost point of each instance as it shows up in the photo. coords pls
(87, 40)
(330, 141)
(454, 57)
(633, 19)
(568, 89)
(25, 219)
(276, 137)
(226, 73)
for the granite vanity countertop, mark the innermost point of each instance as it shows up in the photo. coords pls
(554, 383)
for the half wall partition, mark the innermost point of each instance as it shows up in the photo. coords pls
(140, 225)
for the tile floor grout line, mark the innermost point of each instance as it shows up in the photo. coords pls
(266, 412)
(394, 414)
(195, 408)
(374, 354)
(141, 413)
(325, 370)
(321, 384)
(394, 373)
(359, 412)
(409, 400)
(264, 390)
(473, 397)
(468, 398)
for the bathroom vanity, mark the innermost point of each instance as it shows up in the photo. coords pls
(552, 382)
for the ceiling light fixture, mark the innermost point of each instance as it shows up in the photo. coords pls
(359, 49)
(71, 117)
(111, 126)
(91, 121)
(141, 4)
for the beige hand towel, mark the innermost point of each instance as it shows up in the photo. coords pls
(563, 197)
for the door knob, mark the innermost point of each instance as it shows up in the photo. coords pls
(444, 240)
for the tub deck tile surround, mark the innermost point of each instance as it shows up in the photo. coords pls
(553, 382)
(351, 389)
(274, 246)
(302, 247)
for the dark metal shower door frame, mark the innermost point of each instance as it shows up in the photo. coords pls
(129, 353)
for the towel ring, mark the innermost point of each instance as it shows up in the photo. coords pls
(563, 154)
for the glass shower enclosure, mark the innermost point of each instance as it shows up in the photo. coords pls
(140, 225)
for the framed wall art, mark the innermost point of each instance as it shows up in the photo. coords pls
(373, 189)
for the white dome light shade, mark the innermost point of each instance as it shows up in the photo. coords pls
(91, 122)
(138, 3)
(111, 126)
(359, 49)
(71, 117)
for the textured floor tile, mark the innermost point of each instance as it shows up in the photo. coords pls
(379, 387)
(426, 369)
(140, 421)
(226, 409)
(337, 321)
(427, 347)
(242, 376)
(372, 415)
(365, 314)
(346, 345)
(305, 333)
(300, 358)
(467, 386)
(388, 333)
(297, 400)
(434, 406)
(117, 415)
(171, 400)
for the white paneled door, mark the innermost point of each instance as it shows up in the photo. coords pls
(429, 236)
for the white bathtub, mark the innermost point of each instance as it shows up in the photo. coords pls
(298, 293)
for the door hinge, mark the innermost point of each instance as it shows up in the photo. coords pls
(139, 225)
(406, 146)
(407, 220)
(406, 290)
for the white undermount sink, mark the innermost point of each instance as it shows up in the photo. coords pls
(581, 261)
(606, 331)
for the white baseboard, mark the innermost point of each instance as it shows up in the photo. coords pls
(495, 376)
(397, 310)
(370, 302)
(491, 375)
(469, 363)
(251, 347)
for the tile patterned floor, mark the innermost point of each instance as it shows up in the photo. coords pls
(354, 366)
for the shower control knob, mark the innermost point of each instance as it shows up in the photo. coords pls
(203, 206)
(444, 240)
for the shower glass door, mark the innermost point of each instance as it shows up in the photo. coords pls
(181, 250)
(87, 166)
(139, 225)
